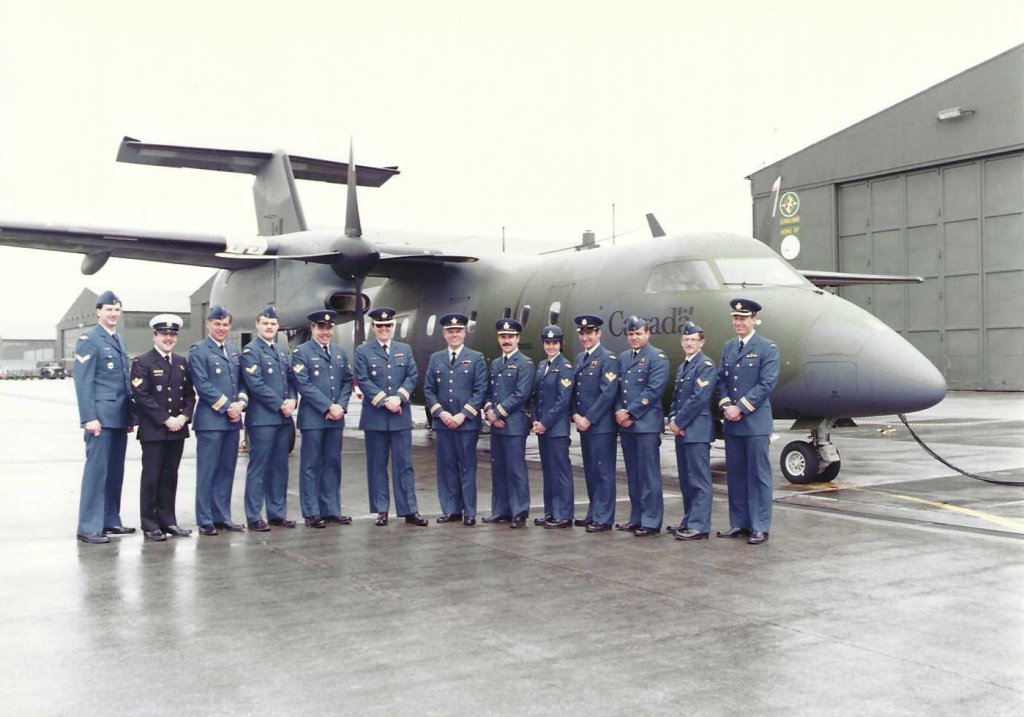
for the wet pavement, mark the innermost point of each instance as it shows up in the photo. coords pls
(896, 590)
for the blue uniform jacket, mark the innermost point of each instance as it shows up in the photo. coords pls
(161, 390)
(101, 379)
(746, 380)
(509, 392)
(456, 389)
(268, 380)
(218, 383)
(320, 383)
(381, 375)
(691, 399)
(552, 395)
(641, 382)
(597, 388)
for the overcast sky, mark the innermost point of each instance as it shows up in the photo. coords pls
(532, 116)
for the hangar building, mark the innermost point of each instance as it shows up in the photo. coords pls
(931, 187)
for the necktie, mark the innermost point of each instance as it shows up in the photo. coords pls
(385, 347)
(504, 361)
(167, 358)
(547, 366)
(453, 359)
(586, 357)
(635, 352)
(223, 351)
(327, 351)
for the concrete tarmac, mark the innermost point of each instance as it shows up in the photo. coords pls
(898, 590)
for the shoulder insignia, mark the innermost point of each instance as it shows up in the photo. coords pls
(251, 369)
(83, 337)
(566, 382)
(702, 383)
(611, 375)
(709, 362)
(246, 350)
(662, 355)
(644, 400)
(137, 381)
(297, 368)
(82, 359)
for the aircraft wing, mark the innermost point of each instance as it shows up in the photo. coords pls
(396, 260)
(839, 278)
(99, 243)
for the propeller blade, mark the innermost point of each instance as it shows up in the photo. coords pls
(353, 228)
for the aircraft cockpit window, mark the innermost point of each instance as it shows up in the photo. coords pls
(554, 312)
(471, 325)
(757, 271)
(430, 324)
(524, 315)
(681, 276)
(404, 328)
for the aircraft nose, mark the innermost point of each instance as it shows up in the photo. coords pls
(858, 366)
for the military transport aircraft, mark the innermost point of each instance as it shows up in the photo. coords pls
(838, 361)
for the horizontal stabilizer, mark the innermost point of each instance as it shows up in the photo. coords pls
(839, 278)
(244, 162)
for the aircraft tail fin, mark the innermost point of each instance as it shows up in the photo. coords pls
(655, 225)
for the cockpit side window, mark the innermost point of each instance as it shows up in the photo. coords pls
(681, 276)
(758, 271)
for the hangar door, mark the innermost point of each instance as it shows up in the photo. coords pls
(961, 227)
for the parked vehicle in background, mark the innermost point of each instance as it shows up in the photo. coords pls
(51, 369)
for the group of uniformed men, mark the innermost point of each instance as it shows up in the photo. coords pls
(607, 398)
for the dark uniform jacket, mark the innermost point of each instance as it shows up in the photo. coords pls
(320, 382)
(101, 379)
(268, 378)
(161, 390)
(642, 380)
(457, 389)
(691, 399)
(218, 383)
(746, 379)
(380, 375)
(597, 387)
(509, 393)
(552, 394)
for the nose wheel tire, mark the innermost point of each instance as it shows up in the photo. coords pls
(799, 463)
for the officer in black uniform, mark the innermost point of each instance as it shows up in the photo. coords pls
(164, 400)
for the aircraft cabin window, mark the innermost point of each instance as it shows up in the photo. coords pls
(554, 312)
(404, 330)
(681, 276)
(758, 271)
(471, 326)
(507, 313)
(430, 324)
(524, 315)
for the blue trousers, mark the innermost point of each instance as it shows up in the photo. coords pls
(748, 470)
(558, 483)
(694, 462)
(320, 471)
(599, 472)
(456, 471)
(266, 475)
(216, 458)
(510, 484)
(643, 476)
(99, 505)
(397, 444)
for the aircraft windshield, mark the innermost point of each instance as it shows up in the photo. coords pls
(757, 271)
(681, 276)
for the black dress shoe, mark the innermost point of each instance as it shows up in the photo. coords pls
(118, 530)
(733, 533)
(583, 522)
(552, 524)
(757, 537)
(542, 521)
(208, 530)
(154, 535)
(518, 521)
(93, 538)
(282, 522)
(315, 521)
(498, 519)
(382, 519)
(449, 518)
(675, 528)
(417, 519)
(643, 532)
(229, 526)
(690, 534)
(599, 527)
(471, 522)
(339, 519)
(177, 532)
(627, 527)
(259, 526)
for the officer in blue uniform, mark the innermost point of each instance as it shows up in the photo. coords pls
(690, 423)
(387, 374)
(511, 380)
(596, 388)
(268, 421)
(323, 378)
(104, 411)
(552, 394)
(164, 402)
(454, 388)
(643, 375)
(749, 372)
(216, 374)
